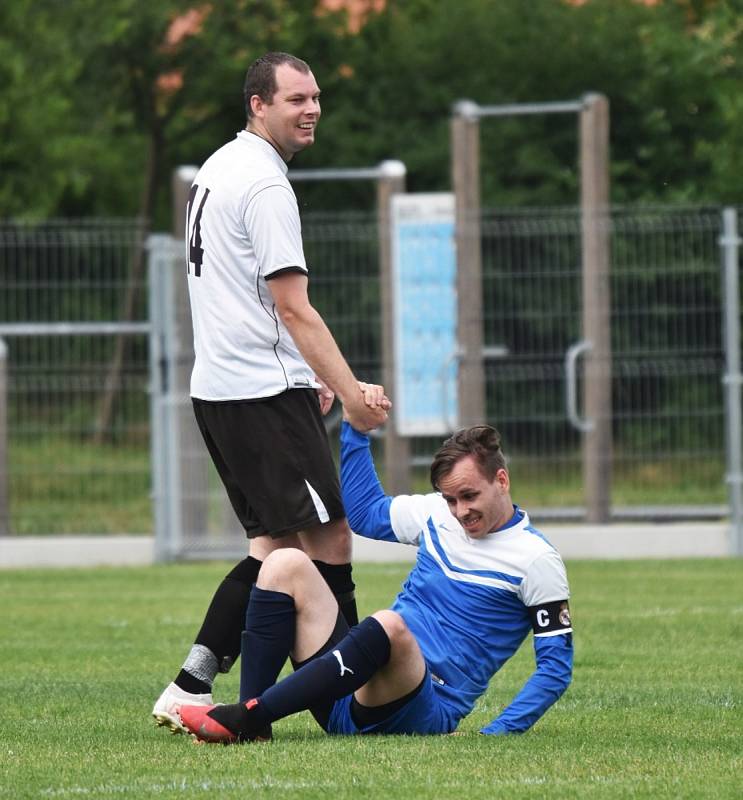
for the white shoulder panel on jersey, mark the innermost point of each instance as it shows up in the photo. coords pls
(503, 559)
(409, 515)
(546, 580)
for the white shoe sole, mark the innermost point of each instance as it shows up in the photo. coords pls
(165, 720)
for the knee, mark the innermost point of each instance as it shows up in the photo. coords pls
(281, 568)
(394, 626)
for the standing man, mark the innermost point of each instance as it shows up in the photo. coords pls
(266, 366)
(483, 579)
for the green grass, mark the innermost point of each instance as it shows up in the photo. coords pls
(64, 486)
(654, 710)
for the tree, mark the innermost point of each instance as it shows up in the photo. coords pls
(669, 71)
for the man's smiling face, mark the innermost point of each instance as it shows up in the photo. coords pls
(479, 505)
(288, 122)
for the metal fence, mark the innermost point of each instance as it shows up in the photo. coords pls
(70, 469)
(75, 457)
(667, 356)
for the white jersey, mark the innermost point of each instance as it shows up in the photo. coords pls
(242, 227)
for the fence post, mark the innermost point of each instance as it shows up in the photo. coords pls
(194, 462)
(391, 181)
(595, 219)
(4, 509)
(159, 269)
(465, 168)
(730, 243)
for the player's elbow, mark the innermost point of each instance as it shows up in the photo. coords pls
(561, 675)
(555, 663)
(555, 678)
(554, 684)
(356, 515)
(562, 681)
(294, 312)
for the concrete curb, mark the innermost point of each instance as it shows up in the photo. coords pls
(615, 541)
(76, 551)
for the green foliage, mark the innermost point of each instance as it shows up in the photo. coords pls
(87, 126)
(100, 101)
(654, 710)
(669, 77)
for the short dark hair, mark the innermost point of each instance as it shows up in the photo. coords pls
(481, 442)
(260, 78)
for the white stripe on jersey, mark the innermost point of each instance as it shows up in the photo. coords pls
(438, 552)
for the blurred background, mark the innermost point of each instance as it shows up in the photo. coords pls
(102, 103)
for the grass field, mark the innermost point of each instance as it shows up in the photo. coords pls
(655, 709)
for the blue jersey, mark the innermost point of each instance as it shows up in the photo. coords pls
(470, 603)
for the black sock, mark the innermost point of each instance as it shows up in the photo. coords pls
(224, 622)
(338, 578)
(347, 667)
(266, 641)
(189, 683)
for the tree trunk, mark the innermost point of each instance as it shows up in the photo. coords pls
(106, 408)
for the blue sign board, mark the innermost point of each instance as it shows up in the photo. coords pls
(425, 314)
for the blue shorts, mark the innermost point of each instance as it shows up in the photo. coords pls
(426, 713)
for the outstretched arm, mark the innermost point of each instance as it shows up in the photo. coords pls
(319, 349)
(367, 506)
(554, 655)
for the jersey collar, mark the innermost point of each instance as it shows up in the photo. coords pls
(518, 516)
(259, 143)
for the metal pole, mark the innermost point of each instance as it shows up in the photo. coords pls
(465, 168)
(730, 244)
(72, 328)
(158, 263)
(597, 442)
(526, 109)
(391, 181)
(4, 507)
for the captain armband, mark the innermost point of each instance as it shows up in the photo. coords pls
(551, 619)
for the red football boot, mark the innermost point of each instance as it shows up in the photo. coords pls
(197, 720)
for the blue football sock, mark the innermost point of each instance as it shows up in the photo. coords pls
(347, 667)
(266, 641)
(342, 670)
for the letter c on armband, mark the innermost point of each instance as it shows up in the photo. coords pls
(551, 619)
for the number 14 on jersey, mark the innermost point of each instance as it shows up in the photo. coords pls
(195, 250)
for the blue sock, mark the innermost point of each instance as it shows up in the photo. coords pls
(342, 670)
(337, 673)
(266, 641)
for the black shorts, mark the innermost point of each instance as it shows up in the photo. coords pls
(274, 459)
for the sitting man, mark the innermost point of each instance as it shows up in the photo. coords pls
(483, 578)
